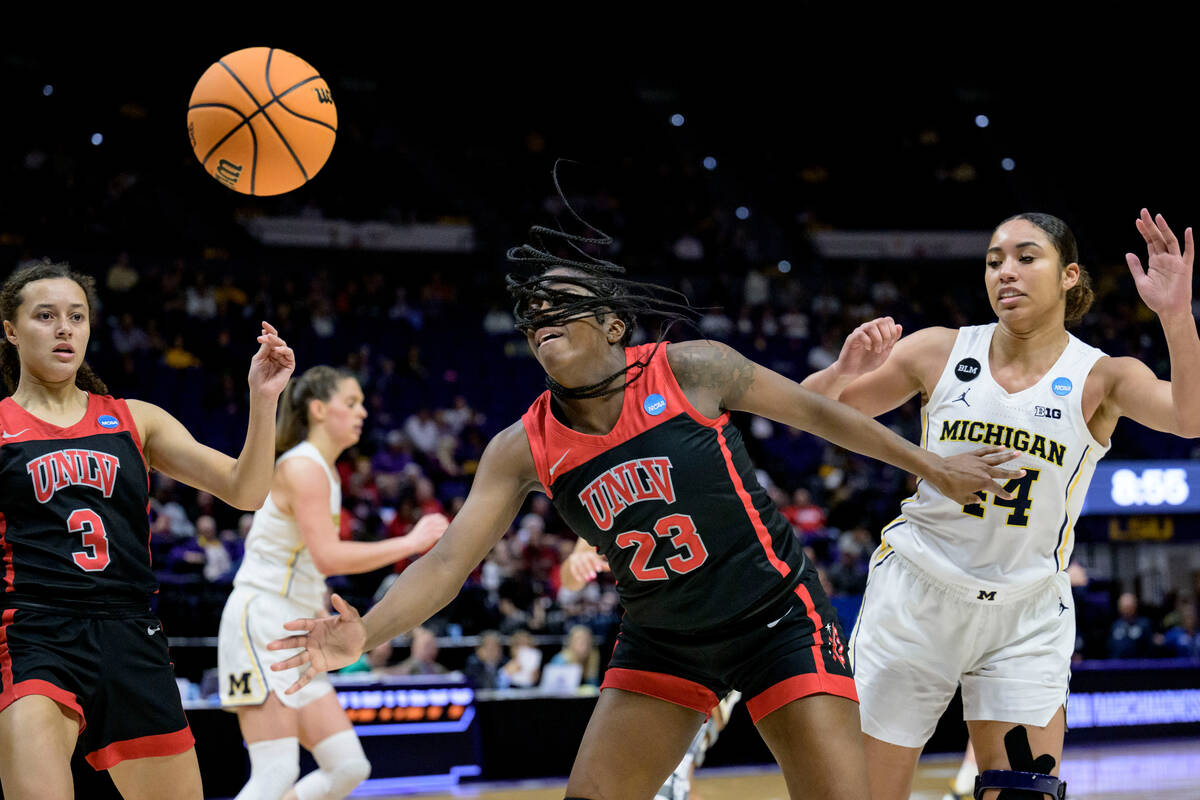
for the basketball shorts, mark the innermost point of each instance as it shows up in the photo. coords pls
(790, 649)
(917, 639)
(114, 674)
(251, 619)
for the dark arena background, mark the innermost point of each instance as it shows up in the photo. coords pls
(790, 201)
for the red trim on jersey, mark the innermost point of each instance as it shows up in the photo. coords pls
(557, 447)
(784, 692)
(10, 692)
(671, 688)
(818, 626)
(760, 530)
(162, 744)
(6, 554)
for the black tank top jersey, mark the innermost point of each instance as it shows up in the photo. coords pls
(74, 502)
(669, 496)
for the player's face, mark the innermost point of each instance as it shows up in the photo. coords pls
(558, 346)
(345, 412)
(51, 328)
(1024, 273)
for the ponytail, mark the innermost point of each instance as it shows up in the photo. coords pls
(317, 383)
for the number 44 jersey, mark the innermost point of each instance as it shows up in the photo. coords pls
(670, 498)
(1000, 542)
(74, 501)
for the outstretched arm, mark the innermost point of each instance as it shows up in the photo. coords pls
(505, 476)
(242, 483)
(717, 377)
(1165, 285)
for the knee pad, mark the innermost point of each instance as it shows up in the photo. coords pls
(341, 765)
(274, 767)
(1016, 785)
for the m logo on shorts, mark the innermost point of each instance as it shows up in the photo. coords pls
(236, 683)
(986, 595)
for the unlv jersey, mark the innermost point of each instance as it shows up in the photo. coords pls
(73, 508)
(670, 498)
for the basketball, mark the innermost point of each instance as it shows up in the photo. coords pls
(262, 121)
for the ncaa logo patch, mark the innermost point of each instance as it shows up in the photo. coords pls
(107, 421)
(655, 404)
(1062, 386)
(967, 370)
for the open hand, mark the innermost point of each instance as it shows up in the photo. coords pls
(328, 643)
(581, 567)
(428, 531)
(963, 475)
(1166, 283)
(272, 365)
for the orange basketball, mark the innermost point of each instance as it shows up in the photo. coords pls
(262, 121)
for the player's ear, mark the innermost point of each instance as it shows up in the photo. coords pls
(614, 329)
(10, 333)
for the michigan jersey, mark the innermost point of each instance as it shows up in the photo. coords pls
(670, 498)
(74, 525)
(276, 560)
(1000, 542)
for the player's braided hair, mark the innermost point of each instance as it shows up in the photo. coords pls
(606, 292)
(1079, 296)
(316, 383)
(10, 301)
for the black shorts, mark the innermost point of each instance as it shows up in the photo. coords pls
(115, 674)
(792, 648)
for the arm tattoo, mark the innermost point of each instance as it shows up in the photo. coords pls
(712, 368)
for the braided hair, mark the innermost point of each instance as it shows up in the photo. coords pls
(606, 292)
(10, 301)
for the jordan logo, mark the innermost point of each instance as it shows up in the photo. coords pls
(963, 398)
(1062, 607)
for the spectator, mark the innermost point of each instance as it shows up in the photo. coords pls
(422, 431)
(1183, 640)
(581, 649)
(423, 660)
(217, 561)
(524, 665)
(1129, 636)
(806, 517)
(483, 666)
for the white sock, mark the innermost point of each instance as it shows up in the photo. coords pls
(964, 781)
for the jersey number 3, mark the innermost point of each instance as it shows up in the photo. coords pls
(680, 529)
(94, 556)
(1019, 489)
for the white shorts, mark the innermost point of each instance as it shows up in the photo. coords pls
(916, 639)
(251, 619)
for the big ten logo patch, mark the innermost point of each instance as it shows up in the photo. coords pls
(833, 640)
(1049, 413)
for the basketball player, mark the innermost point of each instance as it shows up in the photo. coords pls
(82, 659)
(978, 593)
(292, 545)
(635, 449)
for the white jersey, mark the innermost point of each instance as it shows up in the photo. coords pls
(996, 542)
(276, 560)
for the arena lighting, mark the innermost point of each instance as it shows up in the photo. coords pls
(742, 212)
(47, 90)
(1109, 709)
(982, 121)
(97, 138)
(785, 266)
(677, 120)
(1008, 165)
(710, 163)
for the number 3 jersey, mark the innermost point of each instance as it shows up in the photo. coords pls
(74, 525)
(1001, 542)
(670, 498)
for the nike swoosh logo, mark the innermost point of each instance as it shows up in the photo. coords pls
(151, 631)
(776, 622)
(8, 435)
(556, 463)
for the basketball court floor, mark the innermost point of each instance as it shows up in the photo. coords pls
(1162, 770)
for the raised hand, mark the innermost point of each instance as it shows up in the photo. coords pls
(428, 531)
(272, 365)
(1166, 282)
(979, 470)
(328, 643)
(582, 566)
(868, 346)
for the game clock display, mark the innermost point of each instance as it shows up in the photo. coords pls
(1144, 487)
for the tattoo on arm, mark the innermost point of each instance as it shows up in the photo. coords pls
(714, 368)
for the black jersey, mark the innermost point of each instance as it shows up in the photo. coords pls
(670, 498)
(74, 525)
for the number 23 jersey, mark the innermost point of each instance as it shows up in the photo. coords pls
(1003, 542)
(670, 498)
(73, 508)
